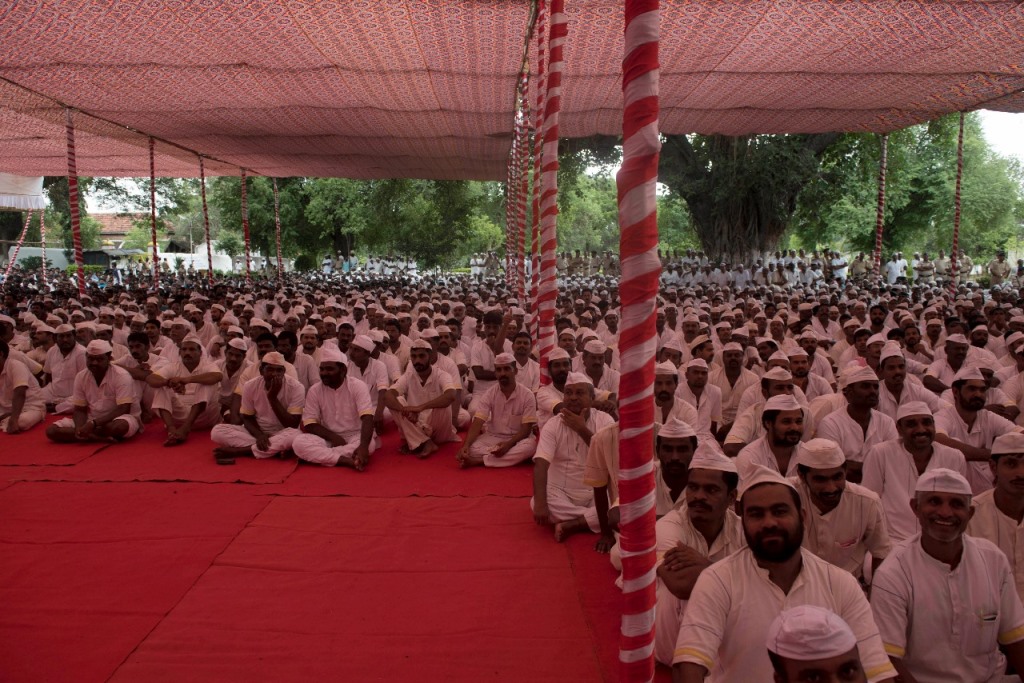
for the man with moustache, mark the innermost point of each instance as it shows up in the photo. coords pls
(783, 422)
(999, 512)
(858, 426)
(701, 530)
(509, 412)
(337, 419)
(666, 406)
(550, 396)
(844, 521)
(891, 468)
(186, 392)
(64, 360)
(735, 600)
(422, 402)
(946, 602)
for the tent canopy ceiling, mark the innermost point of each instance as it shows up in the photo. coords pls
(426, 88)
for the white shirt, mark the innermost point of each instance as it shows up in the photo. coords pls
(528, 375)
(842, 429)
(845, 534)
(732, 393)
(115, 389)
(734, 602)
(375, 377)
(13, 376)
(548, 396)
(566, 452)
(709, 407)
(64, 369)
(987, 426)
(505, 415)
(890, 471)
(339, 410)
(758, 452)
(912, 391)
(946, 625)
(255, 402)
(1005, 532)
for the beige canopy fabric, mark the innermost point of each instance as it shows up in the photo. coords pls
(426, 88)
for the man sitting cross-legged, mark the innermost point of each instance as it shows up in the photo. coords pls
(510, 412)
(338, 417)
(271, 409)
(560, 496)
(104, 405)
(421, 402)
(186, 396)
(21, 402)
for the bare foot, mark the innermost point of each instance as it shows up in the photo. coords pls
(471, 461)
(404, 448)
(426, 450)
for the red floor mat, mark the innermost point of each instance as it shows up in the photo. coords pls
(33, 448)
(87, 570)
(392, 474)
(379, 590)
(144, 458)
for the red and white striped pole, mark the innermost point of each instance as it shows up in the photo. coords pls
(76, 218)
(521, 199)
(638, 245)
(17, 246)
(42, 242)
(277, 227)
(245, 231)
(206, 222)
(548, 289)
(883, 166)
(954, 262)
(152, 211)
(538, 142)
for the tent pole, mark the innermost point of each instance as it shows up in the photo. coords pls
(245, 231)
(42, 237)
(548, 290)
(538, 141)
(277, 228)
(152, 211)
(954, 263)
(641, 268)
(76, 218)
(17, 246)
(206, 222)
(883, 166)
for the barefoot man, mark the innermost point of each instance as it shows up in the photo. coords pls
(510, 412)
(560, 496)
(421, 402)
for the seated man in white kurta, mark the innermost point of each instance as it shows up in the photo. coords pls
(21, 403)
(422, 401)
(560, 496)
(186, 392)
(337, 418)
(945, 602)
(271, 409)
(509, 412)
(105, 407)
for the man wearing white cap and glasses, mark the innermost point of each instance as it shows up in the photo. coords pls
(271, 409)
(735, 600)
(999, 512)
(509, 412)
(945, 602)
(337, 418)
(844, 521)
(105, 405)
(701, 530)
(560, 496)
(809, 643)
(891, 468)
(858, 426)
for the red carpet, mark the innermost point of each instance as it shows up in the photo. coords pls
(87, 570)
(33, 448)
(412, 569)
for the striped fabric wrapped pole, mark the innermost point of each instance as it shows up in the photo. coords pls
(42, 241)
(538, 141)
(522, 196)
(548, 289)
(638, 245)
(17, 246)
(245, 231)
(206, 222)
(883, 166)
(76, 218)
(152, 211)
(954, 261)
(277, 228)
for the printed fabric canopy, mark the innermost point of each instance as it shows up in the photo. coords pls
(426, 88)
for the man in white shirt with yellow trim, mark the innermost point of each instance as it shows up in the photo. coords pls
(999, 512)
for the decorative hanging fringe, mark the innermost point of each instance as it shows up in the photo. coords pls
(206, 222)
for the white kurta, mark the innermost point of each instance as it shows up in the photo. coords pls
(14, 376)
(987, 426)
(734, 603)
(842, 429)
(1005, 532)
(503, 417)
(946, 625)
(338, 410)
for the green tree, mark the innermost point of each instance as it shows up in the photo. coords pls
(230, 243)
